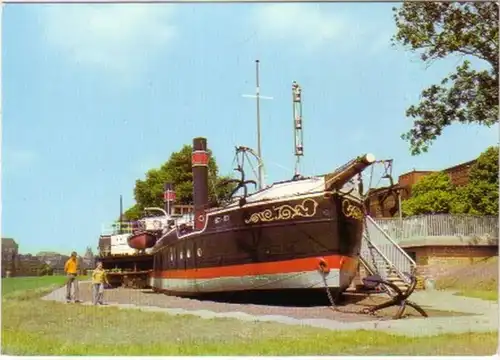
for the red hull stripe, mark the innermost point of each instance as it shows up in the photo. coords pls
(268, 268)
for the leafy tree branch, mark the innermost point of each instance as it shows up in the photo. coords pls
(435, 31)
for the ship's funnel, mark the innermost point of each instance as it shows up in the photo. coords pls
(169, 198)
(199, 160)
(342, 175)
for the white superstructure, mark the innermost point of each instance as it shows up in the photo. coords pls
(119, 245)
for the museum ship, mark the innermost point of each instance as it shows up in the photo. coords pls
(275, 238)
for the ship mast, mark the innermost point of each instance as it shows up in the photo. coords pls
(121, 216)
(297, 124)
(257, 96)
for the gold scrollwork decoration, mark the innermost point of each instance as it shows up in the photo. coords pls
(306, 209)
(351, 211)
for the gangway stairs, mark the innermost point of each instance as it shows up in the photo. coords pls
(381, 255)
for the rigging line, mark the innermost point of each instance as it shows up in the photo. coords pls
(234, 162)
(371, 178)
(242, 154)
(280, 166)
(251, 165)
(378, 182)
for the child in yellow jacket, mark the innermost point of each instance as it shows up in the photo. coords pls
(99, 278)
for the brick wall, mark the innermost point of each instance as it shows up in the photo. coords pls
(459, 176)
(435, 261)
(409, 179)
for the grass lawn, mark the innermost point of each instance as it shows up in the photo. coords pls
(479, 280)
(31, 326)
(25, 286)
(491, 295)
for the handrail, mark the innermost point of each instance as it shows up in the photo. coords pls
(157, 209)
(387, 236)
(381, 254)
(399, 260)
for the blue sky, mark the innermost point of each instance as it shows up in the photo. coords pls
(93, 96)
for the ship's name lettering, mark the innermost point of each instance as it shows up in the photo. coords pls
(351, 211)
(220, 219)
(306, 209)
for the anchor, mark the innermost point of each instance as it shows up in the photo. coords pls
(401, 297)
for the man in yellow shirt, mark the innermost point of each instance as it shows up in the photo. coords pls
(71, 270)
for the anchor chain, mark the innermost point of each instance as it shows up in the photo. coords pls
(323, 270)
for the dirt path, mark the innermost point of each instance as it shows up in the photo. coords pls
(318, 316)
(148, 298)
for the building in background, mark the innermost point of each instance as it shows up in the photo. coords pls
(28, 265)
(87, 261)
(384, 202)
(10, 251)
(55, 260)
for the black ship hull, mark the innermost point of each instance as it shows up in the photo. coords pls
(266, 245)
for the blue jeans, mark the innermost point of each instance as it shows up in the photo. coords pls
(97, 293)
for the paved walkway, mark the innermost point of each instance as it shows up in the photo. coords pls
(485, 318)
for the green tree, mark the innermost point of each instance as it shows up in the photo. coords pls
(433, 194)
(436, 30)
(45, 269)
(436, 194)
(133, 213)
(480, 195)
(149, 192)
(486, 167)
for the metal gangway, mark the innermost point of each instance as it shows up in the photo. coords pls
(382, 256)
(390, 267)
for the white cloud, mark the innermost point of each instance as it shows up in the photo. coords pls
(304, 23)
(114, 37)
(15, 161)
(313, 26)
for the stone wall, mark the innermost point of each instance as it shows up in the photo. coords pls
(436, 261)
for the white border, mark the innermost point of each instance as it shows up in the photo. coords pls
(153, 2)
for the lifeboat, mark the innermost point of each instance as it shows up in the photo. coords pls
(142, 240)
(147, 231)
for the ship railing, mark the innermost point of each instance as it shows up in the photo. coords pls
(117, 227)
(396, 257)
(441, 225)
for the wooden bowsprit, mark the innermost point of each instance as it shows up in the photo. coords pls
(400, 299)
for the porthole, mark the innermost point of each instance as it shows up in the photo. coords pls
(181, 255)
(199, 252)
(188, 254)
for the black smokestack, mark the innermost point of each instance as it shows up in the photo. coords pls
(169, 198)
(199, 160)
